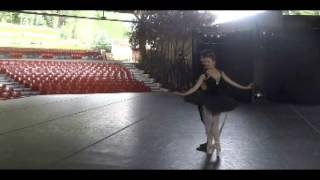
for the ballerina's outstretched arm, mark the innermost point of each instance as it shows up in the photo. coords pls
(194, 88)
(233, 83)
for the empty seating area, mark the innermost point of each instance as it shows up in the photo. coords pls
(68, 77)
(34, 53)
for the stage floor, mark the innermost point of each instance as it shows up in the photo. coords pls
(151, 131)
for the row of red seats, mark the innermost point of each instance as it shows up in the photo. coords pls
(61, 64)
(64, 69)
(18, 55)
(70, 77)
(44, 62)
(61, 72)
(62, 76)
(54, 51)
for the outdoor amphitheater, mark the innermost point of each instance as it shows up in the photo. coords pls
(76, 109)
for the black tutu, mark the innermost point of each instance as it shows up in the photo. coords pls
(214, 103)
(214, 97)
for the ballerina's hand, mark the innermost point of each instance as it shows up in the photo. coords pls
(250, 86)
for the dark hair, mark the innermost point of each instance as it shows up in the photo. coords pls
(208, 53)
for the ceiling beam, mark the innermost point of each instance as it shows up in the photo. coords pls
(71, 16)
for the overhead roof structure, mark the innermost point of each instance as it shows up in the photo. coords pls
(81, 17)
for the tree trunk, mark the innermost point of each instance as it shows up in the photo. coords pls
(142, 48)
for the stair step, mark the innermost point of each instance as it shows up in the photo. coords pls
(156, 91)
(22, 89)
(129, 66)
(28, 93)
(146, 75)
(15, 85)
(164, 90)
(9, 83)
(153, 84)
(140, 75)
(148, 82)
(5, 78)
(19, 86)
(137, 74)
(144, 78)
(12, 83)
(154, 87)
(136, 71)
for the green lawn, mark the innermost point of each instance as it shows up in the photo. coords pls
(87, 31)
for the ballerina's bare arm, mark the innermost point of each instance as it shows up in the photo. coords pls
(233, 83)
(195, 87)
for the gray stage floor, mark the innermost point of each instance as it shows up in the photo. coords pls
(151, 131)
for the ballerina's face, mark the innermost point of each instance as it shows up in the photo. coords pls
(208, 62)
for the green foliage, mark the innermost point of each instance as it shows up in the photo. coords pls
(103, 43)
(88, 33)
(161, 30)
(158, 27)
(302, 12)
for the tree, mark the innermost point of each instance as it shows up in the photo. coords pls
(157, 27)
(102, 42)
(302, 12)
(162, 31)
(16, 18)
(138, 36)
(5, 16)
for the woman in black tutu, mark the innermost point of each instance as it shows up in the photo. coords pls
(212, 99)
